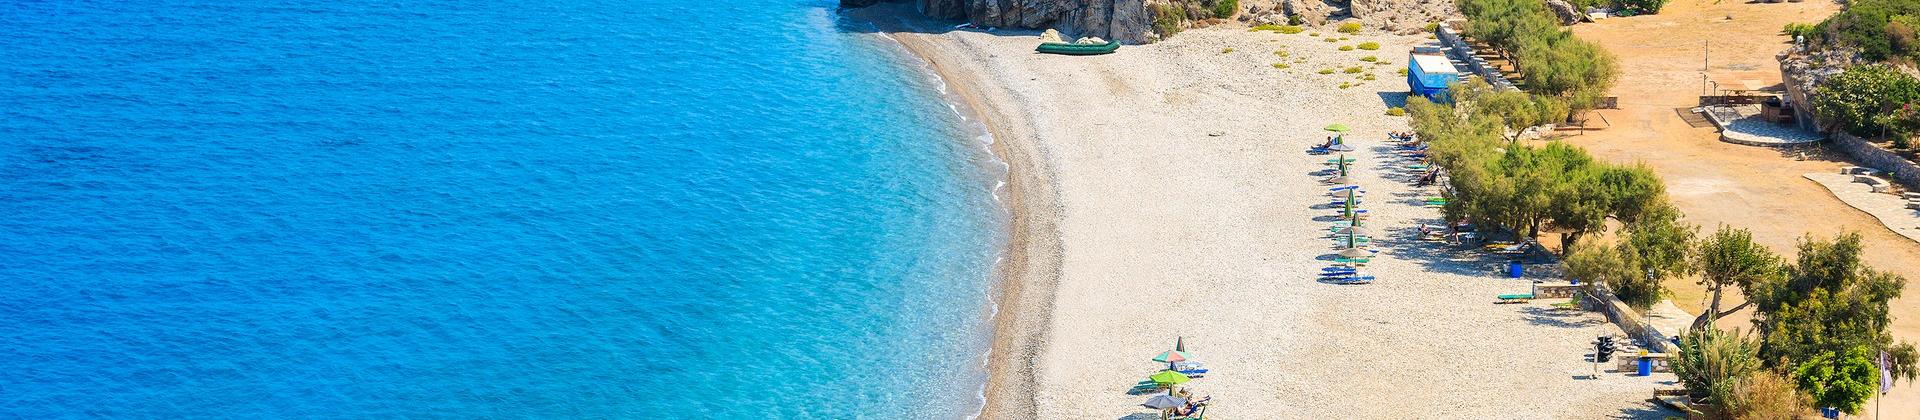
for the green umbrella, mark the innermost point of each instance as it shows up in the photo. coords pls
(1169, 378)
(1171, 356)
(1337, 128)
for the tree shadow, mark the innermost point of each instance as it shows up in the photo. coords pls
(1648, 410)
(1141, 416)
(1559, 318)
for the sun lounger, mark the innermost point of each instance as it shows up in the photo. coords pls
(1515, 298)
(1353, 261)
(1356, 280)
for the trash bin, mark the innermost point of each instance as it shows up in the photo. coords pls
(1514, 270)
(1646, 366)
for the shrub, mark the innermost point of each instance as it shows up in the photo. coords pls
(1280, 65)
(1881, 29)
(1346, 48)
(1763, 396)
(1330, 39)
(1344, 85)
(1225, 8)
(1397, 111)
(1226, 50)
(1369, 45)
(1354, 70)
(1369, 76)
(1402, 72)
(1282, 53)
(1647, 7)
(1325, 71)
(1843, 381)
(1854, 98)
(1294, 20)
(1432, 27)
(1793, 30)
(1710, 360)
(1167, 19)
(1315, 34)
(1369, 59)
(1350, 28)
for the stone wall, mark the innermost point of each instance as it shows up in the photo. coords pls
(1460, 52)
(1873, 156)
(1629, 320)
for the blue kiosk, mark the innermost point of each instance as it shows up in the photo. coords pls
(1429, 75)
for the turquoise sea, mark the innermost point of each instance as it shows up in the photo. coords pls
(439, 209)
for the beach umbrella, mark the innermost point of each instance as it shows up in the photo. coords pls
(1355, 253)
(1165, 401)
(1337, 128)
(1340, 147)
(1169, 378)
(1171, 356)
(1355, 229)
(1179, 344)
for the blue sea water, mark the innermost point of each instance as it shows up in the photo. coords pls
(569, 208)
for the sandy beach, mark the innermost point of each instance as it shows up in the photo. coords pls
(1165, 191)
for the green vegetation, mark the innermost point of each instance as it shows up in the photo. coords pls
(1402, 72)
(1226, 50)
(1870, 100)
(1839, 380)
(1880, 29)
(1397, 111)
(1350, 28)
(1369, 77)
(1325, 71)
(1432, 26)
(1641, 7)
(1225, 8)
(1711, 361)
(1330, 39)
(1797, 30)
(1369, 59)
(1282, 66)
(1346, 48)
(1282, 53)
(1369, 45)
(1353, 70)
(1553, 61)
(1167, 19)
(1287, 29)
(1731, 258)
(1294, 20)
(1344, 85)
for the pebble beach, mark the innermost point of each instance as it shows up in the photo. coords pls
(1165, 191)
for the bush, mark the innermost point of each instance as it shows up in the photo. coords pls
(1325, 71)
(1282, 53)
(1793, 30)
(1646, 7)
(1354, 70)
(1225, 8)
(1843, 381)
(1763, 396)
(1856, 97)
(1432, 27)
(1369, 77)
(1711, 360)
(1881, 29)
(1226, 50)
(1330, 39)
(1397, 111)
(1369, 59)
(1294, 20)
(1280, 65)
(1402, 72)
(1350, 28)
(1369, 45)
(1344, 85)
(1167, 19)
(1346, 48)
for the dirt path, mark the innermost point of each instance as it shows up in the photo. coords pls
(1720, 183)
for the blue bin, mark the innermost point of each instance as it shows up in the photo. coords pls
(1514, 270)
(1646, 366)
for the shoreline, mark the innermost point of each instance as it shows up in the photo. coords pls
(1028, 271)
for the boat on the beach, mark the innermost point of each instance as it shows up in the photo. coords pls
(1077, 49)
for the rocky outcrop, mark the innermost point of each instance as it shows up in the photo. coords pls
(1133, 20)
(1565, 11)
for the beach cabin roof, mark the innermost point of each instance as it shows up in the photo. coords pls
(1434, 64)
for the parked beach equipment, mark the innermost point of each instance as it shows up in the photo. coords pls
(1165, 401)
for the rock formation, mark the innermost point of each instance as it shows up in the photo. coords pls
(1568, 14)
(1133, 20)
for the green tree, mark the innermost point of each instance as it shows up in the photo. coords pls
(1730, 258)
(1840, 380)
(1611, 265)
(1662, 244)
(1711, 360)
(1831, 303)
(1856, 98)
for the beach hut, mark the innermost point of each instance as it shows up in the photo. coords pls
(1429, 75)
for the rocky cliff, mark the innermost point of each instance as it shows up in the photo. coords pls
(1135, 20)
